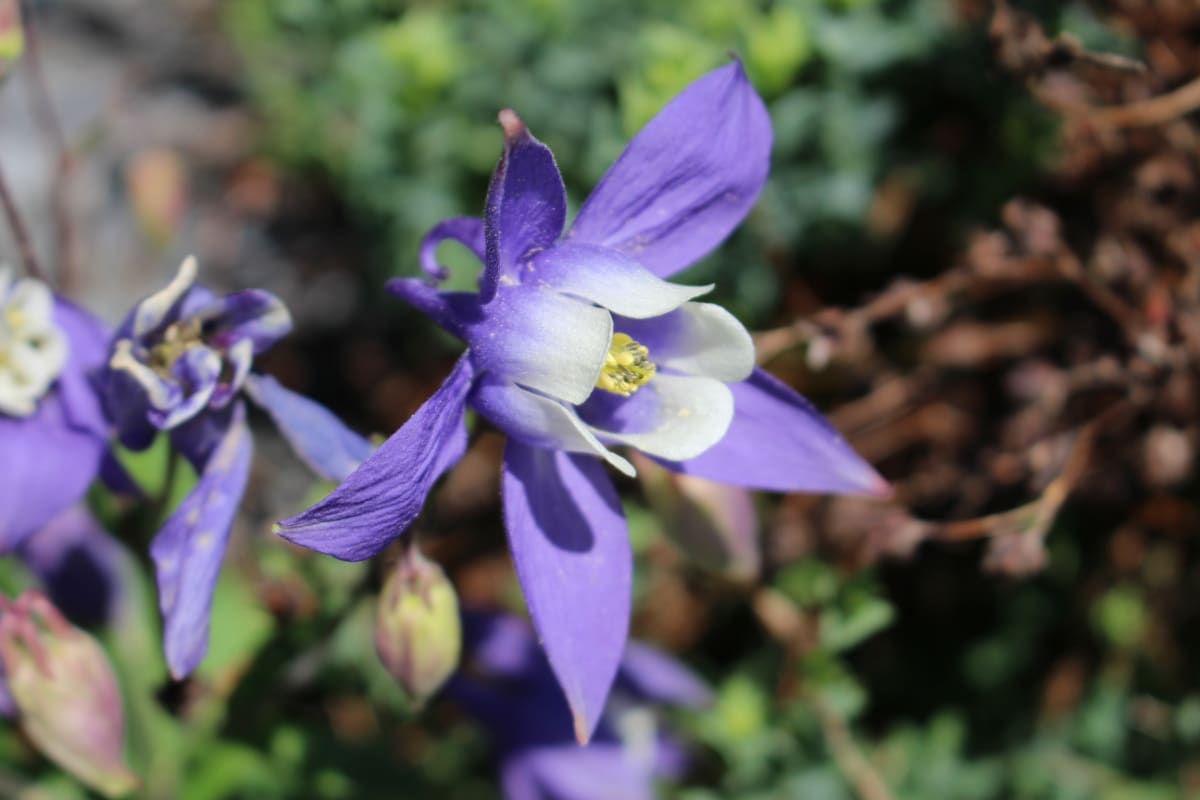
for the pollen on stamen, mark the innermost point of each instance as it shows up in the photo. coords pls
(627, 366)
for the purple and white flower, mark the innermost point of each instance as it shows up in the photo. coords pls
(577, 343)
(178, 364)
(51, 422)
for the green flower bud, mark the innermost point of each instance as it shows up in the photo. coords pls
(418, 632)
(65, 692)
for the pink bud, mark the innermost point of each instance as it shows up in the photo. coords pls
(418, 631)
(66, 696)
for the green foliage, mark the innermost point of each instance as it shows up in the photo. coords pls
(396, 104)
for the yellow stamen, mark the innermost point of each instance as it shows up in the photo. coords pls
(177, 340)
(627, 366)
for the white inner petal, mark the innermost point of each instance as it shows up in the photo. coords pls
(612, 280)
(681, 416)
(33, 348)
(541, 421)
(153, 310)
(546, 341)
(698, 339)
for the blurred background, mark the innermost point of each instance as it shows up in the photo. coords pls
(978, 253)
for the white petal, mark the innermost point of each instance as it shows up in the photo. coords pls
(151, 311)
(675, 417)
(543, 340)
(540, 421)
(610, 279)
(697, 339)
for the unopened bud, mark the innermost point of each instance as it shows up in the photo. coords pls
(418, 632)
(65, 693)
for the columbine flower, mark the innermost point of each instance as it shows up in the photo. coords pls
(576, 343)
(178, 364)
(507, 685)
(53, 430)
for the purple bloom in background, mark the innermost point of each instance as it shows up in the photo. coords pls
(51, 423)
(178, 364)
(577, 343)
(507, 685)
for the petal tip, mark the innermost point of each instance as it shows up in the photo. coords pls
(513, 127)
(583, 731)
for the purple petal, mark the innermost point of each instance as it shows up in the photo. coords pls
(570, 545)
(46, 466)
(188, 551)
(687, 179)
(327, 446)
(654, 676)
(596, 772)
(88, 339)
(380, 499)
(467, 231)
(526, 204)
(779, 442)
(80, 565)
(253, 314)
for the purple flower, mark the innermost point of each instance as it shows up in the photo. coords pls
(51, 423)
(178, 364)
(507, 685)
(576, 343)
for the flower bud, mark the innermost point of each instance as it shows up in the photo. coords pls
(418, 632)
(65, 693)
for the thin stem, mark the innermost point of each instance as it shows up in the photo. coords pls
(67, 259)
(19, 232)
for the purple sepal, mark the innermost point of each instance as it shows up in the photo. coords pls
(379, 500)
(687, 179)
(467, 231)
(652, 675)
(454, 311)
(570, 546)
(567, 772)
(199, 437)
(327, 446)
(253, 315)
(80, 566)
(526, 204)
(117, 478)
(188, 551)
(51, 457)
(779, 442)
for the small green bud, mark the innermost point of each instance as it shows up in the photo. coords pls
(65, 692)
(418, 632)
(12, 35)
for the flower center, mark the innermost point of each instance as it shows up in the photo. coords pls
(627, 366)
(177, 339)
(33, 349)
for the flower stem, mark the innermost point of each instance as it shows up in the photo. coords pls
(19, 232)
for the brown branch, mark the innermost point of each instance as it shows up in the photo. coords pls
(855, 766)
(67, 255)
(1153, 111)
(20, 233)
